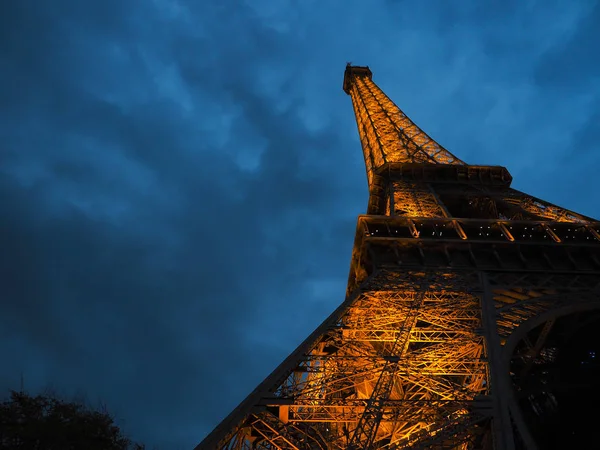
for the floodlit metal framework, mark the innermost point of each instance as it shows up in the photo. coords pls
(451, 269)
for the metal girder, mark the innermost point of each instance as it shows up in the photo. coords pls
(398, 361)
(449, 269)
(534, 351)
(387, 135)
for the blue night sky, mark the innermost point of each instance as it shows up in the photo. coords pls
(180, 180)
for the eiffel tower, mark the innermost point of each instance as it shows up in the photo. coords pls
(461, 288)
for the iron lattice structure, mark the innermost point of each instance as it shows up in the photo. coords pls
(451, 271)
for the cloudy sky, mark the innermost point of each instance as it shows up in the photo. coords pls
(180, 180)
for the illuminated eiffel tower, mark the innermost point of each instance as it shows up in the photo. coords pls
(460, 288)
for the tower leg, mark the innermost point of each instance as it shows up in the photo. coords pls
(500, 383)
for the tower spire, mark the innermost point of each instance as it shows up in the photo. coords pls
(387, 134)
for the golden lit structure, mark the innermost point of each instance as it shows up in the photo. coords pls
(451, 271)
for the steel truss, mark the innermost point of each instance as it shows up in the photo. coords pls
(450, 270)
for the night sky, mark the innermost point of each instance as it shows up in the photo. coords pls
(180, 181)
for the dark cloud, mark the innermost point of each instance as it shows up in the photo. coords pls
(570, 75)
(146, 263)
(572, 63)
(180, 181)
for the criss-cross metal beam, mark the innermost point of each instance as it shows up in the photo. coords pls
(450, 267)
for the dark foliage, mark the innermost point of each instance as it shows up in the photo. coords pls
(44, 422)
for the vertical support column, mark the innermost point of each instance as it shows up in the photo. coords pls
(499, 380)
(377, 196)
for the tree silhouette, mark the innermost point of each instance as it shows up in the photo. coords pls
(44, 422)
